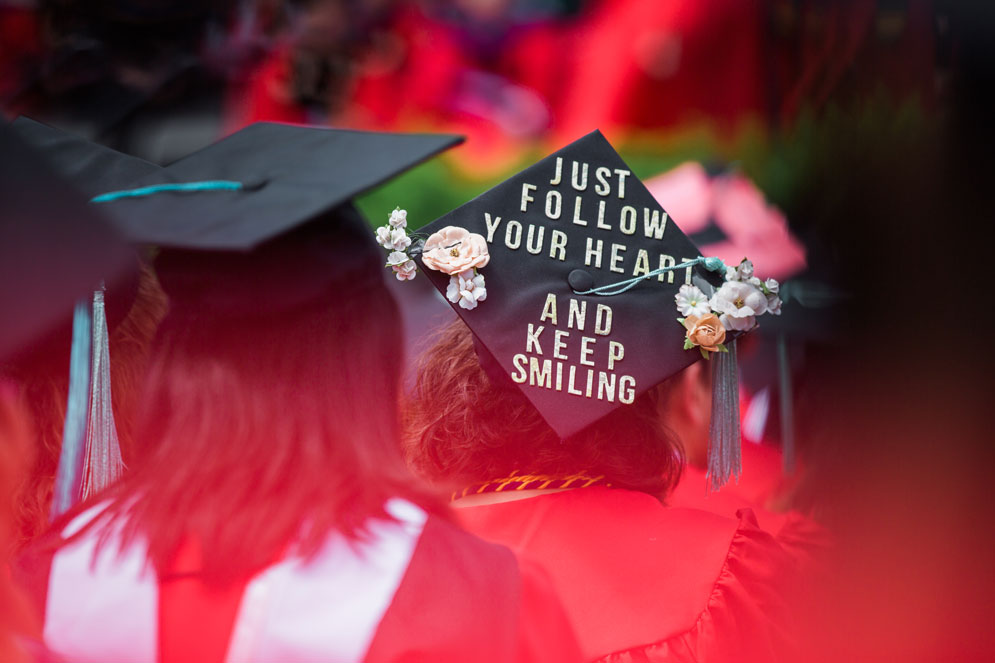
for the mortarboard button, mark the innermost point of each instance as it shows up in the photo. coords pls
(580, 280)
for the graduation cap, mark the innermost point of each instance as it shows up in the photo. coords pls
(581, 272)
(91, 168)
(55, 248)
(262, 221)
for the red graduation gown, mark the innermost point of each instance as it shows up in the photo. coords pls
(644, 582)
(453, 598)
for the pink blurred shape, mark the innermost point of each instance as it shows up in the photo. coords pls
(752, 227)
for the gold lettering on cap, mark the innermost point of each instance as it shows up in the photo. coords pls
(526, 198)
(558, 245)
(627, 222)
(603, 320)
(653, 226)
(577, 315)
(549, 310)
(616, 351)
(559, 171)
(602, 188)
(559, 343)
(581, 185)
(586, 350)
(492, 225)
(532, 339)
(534, 247)
(593, 253)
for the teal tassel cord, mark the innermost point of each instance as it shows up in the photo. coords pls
(67, 478)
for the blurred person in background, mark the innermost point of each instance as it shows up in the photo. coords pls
(895, 412)
(490, 69)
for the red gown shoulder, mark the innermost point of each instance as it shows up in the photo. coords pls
(464, 599)
(641, 581)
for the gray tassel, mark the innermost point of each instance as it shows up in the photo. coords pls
(787, 407)
(724, 453)
(102, 459)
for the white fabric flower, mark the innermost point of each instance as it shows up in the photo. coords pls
(383, 237)
(773, 286)
(399, 218)
(738, 300)
(692, 301)
(755, 282)
(773, 304)
(466, 288)
(396, 258)
(745, 270)
(399, 239)
(404, 268)
(732, 274)
(743, 324)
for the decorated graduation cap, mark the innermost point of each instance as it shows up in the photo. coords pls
(583, 293)
(57, 254)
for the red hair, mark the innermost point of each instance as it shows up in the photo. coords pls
(16, 618)
(460, 429)
(257, 432)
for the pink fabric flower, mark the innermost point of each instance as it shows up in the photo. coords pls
(453, 250)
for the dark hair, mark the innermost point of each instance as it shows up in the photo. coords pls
(461, 428)
(262, 431)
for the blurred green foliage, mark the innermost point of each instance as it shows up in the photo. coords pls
(790, 166)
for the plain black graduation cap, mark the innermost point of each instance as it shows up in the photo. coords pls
(262, 221)
(575, 220)
(54, 247)
(90, 167)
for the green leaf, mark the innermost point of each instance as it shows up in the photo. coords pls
(688, 344)
(704, 352)
(722, 347)
(680, 320)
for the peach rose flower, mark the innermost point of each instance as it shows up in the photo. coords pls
(706, 332)
(453, 250)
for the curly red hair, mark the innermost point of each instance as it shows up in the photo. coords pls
(460, 428)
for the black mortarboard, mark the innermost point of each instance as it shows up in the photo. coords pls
(92, 168)
(285, 175)
(54, 247)
(235, 218)
(577, 220)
